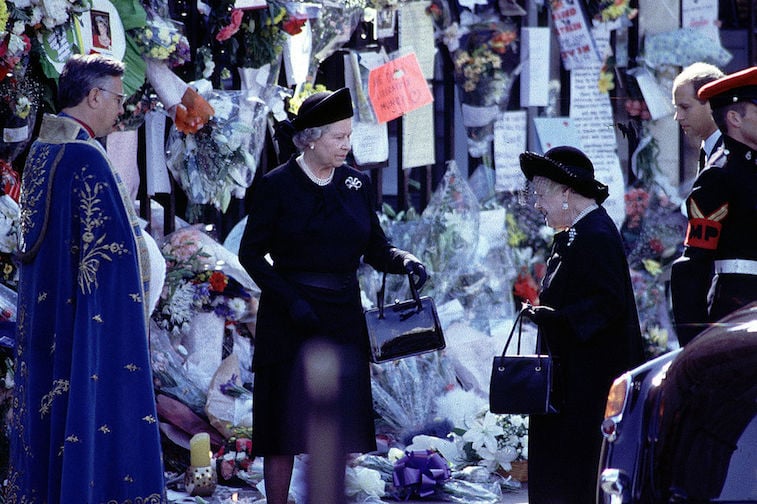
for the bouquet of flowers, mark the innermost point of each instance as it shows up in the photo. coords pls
(219, 161)
(301, 93)
(611, 10)
(251, 38)
(263, 35)
(195, 282)
(653, 234)
(10, 216)
(52, 13)
(485, 58)
(529, 239)
(494, 441)
(14, 47)
(234, 462)
(163, 39)
(405, 392)
(463, 247)
(333, 28)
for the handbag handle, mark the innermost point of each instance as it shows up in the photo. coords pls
(381, 292)
(519, 324)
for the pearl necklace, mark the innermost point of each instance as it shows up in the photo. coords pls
(584, 213)
(311, 176)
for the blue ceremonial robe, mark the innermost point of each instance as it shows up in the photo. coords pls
(84, 426)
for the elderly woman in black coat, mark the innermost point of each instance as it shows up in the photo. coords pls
(587, 315)
(315, 217)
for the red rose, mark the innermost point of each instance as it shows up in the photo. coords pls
(293, 26)
(218, 281)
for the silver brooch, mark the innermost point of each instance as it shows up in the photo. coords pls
(353, 183)
(571, 236)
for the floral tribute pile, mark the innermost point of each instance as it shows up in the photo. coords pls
(435, 432)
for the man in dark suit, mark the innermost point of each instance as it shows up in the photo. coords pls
(693, 114)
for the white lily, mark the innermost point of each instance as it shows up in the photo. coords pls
(484, 432)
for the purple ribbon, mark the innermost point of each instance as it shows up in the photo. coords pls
(419, 473)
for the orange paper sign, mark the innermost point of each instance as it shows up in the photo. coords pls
(398, 87)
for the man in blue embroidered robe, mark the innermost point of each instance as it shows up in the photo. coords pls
(84, 426)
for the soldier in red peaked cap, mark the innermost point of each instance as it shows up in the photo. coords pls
(718, 270)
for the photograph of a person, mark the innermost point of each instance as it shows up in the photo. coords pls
(100, 29)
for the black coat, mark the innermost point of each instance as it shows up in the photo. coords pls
(722, 226)
(595, 339)
(316, 237)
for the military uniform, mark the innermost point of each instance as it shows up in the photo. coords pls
(717, 273)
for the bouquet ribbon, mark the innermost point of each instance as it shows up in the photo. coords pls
(419, 472)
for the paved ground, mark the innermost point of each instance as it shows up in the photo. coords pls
(223, 495)
(516, 497)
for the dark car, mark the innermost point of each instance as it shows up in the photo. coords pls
(683, 427)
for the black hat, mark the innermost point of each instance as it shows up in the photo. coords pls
(736, 87)
(323, 108)
(568, 166)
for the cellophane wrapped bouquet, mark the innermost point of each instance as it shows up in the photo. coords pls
(426, 417)
(196, 282)
(464, 248)
(218, 162)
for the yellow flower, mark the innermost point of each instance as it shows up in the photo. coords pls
(652, 266)
(279, 16)
(307, 89)
(3, 16)
(515, 235)
(658, 335)
(606, 82)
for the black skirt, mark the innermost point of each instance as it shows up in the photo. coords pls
(283, 410)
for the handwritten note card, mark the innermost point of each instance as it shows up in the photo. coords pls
(577, 48)
(591, 112)
(509, 143)
(418, 138)
(398, 87)
(416, 34)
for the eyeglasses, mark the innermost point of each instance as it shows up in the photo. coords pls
(121, 97)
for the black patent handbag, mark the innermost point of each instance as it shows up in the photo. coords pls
(404, 328)
(522, 384)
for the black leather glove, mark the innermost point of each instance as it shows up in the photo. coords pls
(303, 317)
(541, 314)
(415, 267)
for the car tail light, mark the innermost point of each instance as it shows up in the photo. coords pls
(616, 402)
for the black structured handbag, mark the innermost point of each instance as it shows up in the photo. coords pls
(522, 384)
(404, 328)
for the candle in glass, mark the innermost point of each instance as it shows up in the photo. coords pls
(199, 450)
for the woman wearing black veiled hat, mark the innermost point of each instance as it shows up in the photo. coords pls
(315, 217)
(587, 315)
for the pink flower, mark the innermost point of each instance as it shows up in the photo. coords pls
(229, 30)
